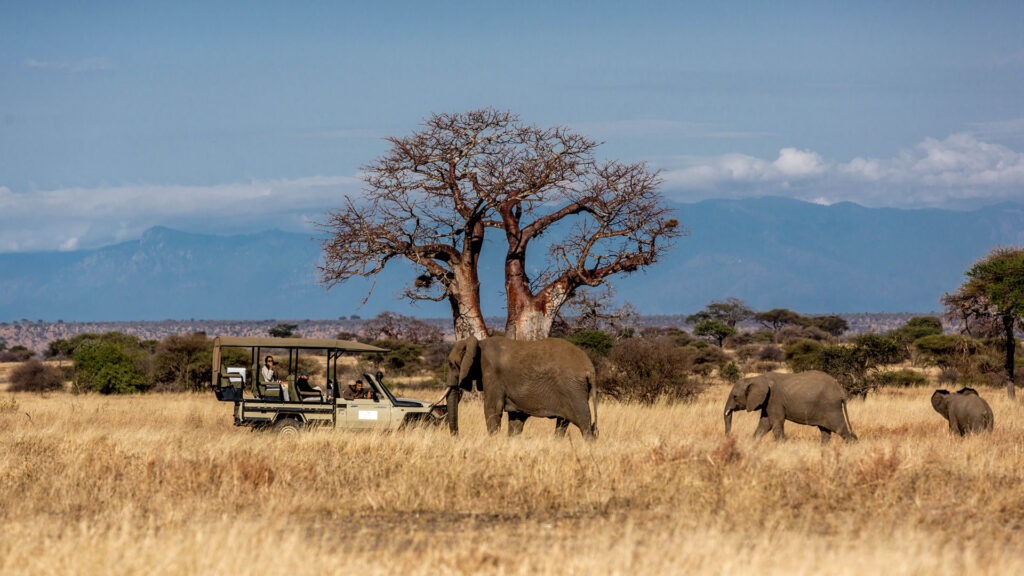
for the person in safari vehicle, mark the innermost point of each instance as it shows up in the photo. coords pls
(269, 377)
(357, 392)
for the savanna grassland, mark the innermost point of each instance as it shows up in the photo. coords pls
(164, 484)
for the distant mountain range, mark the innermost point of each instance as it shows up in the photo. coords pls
(772, 252)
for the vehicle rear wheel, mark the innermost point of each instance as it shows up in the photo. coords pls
(288, 427)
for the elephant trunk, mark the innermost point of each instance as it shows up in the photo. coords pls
(452, 399)
(730, 407)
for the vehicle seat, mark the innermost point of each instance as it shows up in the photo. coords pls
(306, 393)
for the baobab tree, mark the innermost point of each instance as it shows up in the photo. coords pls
(433, 197)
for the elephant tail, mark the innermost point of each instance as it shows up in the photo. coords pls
(591, 380)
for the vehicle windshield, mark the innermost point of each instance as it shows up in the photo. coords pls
(380, 386)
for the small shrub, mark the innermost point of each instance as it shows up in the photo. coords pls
(34, 376)
(644, 370)
(770, 353)
(16, 354)
(748, 352)
(948, 376)
(731, 372)
(765, 367)
(707, 358)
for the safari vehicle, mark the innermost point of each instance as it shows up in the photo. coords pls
(318, 402)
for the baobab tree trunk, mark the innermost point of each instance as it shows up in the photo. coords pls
(469, 320)
(532, 318)
(464, 298)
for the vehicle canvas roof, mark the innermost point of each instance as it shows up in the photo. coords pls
(310, 343)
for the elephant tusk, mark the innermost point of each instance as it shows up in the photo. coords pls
(438, 401)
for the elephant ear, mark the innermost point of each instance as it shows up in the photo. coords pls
(469, 357)
(940, 401)
(757, 394)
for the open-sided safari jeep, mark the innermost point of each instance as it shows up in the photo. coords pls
(294, 399)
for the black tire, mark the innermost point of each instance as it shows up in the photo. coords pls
(288, 427)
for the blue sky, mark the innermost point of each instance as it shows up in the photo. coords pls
(234, 116)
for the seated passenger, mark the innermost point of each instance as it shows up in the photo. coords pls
(268, 377)
(302, 385)
(356, 392)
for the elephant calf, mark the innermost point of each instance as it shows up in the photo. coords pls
(813, 398)
(965, 410)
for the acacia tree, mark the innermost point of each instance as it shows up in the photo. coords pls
(991, 300)
(432, 198)
(730, 311)
(776, 318)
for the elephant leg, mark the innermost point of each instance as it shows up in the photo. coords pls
(776, 414)
(778, 429)
(826, 435)
(580, 416)
(516, 420)
(763, 426)
(836, 423)
(493, 407)
(954, 424)
(561, 427)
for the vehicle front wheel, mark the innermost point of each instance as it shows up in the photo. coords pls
(288, 427)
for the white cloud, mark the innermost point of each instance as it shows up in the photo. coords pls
(81, 65)
(956, 171)
(73, 218)
(798, 164)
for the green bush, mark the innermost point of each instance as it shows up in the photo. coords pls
(802, 354)
(597, 341)
(900, 379)
(731, 372)
(945, 350)
(113, 363)
(790, 333)
(404, 358)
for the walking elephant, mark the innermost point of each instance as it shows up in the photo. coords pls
(550, 378)
(965, 410)
(812, 398)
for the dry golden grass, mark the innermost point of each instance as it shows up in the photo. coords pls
(166, 485)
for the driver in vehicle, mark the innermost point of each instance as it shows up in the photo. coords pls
(356, 392)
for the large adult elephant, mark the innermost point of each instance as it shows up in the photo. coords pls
(813, 398)
(965, 410)
(550, 378)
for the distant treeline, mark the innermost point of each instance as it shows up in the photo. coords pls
(37, 334)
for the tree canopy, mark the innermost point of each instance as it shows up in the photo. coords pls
(776, 318)
(730, 311)
(432, 198)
